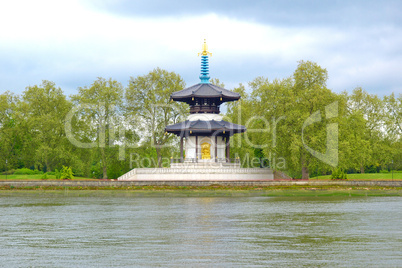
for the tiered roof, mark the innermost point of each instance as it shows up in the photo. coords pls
(204, 90)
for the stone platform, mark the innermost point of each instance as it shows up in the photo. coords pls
(199, 172)
(203, 165)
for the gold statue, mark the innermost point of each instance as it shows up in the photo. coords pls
(205, 150)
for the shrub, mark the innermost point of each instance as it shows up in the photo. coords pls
(27, 171)
(57, 174)
(44, 176)
(24, 171)
(66, 173)
(9, 172)
(338, 174)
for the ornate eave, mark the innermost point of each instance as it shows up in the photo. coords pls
(204, 90)
(201, 127)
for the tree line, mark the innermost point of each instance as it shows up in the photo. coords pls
(107, 129)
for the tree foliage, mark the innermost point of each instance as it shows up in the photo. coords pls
(289, 123)
(149, 108)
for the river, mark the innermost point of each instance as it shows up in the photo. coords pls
(122, 230)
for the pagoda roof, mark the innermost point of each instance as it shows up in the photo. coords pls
(219, 128)
(205, 90)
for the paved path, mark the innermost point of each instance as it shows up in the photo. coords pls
(21, 184)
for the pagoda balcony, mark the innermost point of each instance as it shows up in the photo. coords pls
(212, 109)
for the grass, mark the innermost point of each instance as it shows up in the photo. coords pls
(397, 176)
(367, 177)
(36, 177)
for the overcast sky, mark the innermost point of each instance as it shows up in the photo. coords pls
(73, 42)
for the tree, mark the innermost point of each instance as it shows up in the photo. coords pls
(41, 116)
(239, 112)
(393, 125)
(148, 105)
(10, 135)
(279, 116)
(393, 120)
(374, 135)
(99, 118)
(310, 96)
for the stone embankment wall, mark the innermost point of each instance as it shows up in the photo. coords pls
(22, 184)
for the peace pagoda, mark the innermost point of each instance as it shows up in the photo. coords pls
(206, 134)
(206, 153)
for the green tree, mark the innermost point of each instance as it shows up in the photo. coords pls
(393, 115)
(393, 126)
(10, 134)
(42, 110)
(277, 114)
(149, 108)
(98, 120)
(239, 112)
(372, 146)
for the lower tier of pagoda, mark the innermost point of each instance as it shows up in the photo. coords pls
(205, 140)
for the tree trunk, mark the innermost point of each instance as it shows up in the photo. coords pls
(159, 156)
(305, 174)
(48, 169)
(104, 172)
(361, 169)
(104, 164)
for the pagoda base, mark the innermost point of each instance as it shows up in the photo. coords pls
(205, 164)
(199, 172)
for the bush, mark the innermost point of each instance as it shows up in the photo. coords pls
(9, 172)
(44, 176)
(384, 171)
(338, 174)
(27, 171)
(37, 171)
(66, 173)
(57, 174)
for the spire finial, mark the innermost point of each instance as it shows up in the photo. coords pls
(204, 63)
(205, 51)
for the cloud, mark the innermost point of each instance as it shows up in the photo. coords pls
(282, 13)
(73, 42)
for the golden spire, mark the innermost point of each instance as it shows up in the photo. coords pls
(205, 50)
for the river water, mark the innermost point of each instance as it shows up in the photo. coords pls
(122, 230)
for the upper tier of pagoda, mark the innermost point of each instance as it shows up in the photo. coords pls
(204, 97)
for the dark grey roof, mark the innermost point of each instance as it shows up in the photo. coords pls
(203, 90)
(205, 127)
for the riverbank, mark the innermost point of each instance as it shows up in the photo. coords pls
(396, 176)
(205, 188)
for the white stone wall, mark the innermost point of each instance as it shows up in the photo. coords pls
(205, 117)
(190, 147)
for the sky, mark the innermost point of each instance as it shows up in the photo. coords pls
(73, 42)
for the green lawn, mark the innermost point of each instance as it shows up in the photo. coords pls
(35, 177)
(366, 176)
